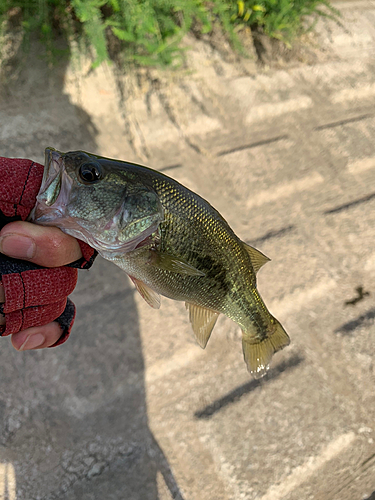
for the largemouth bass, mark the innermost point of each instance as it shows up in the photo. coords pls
(169, 240)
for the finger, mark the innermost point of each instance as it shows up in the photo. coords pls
(45, 246)
(37, 337)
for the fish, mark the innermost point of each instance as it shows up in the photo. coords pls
(169, 240)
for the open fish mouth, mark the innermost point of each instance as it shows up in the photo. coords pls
(54, 193)
(51, 183)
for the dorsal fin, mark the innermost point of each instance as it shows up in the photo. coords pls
(258, 259)
(152, 298)
(202, 320)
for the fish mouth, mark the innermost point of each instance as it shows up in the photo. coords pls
(54, 191)
(51, 182)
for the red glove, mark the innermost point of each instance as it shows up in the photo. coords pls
(34, 295)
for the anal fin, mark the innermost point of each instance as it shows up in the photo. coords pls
(202, 320)
(152, 298)
(258, 355)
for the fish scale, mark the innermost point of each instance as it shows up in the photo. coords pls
(169, 240)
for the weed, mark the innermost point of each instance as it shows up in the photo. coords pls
(283, 19)
(148, 32)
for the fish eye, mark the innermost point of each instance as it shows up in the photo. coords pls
(90, 172)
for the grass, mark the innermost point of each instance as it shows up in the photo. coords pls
(148, 32)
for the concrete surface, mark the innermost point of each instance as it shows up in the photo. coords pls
(131, 408)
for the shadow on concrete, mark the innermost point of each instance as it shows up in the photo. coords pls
(170, 167)
(351, 204)
(274, 233)
(74, 419)
(253, 145)
(233, 396)
(344, 122)
(362, 320)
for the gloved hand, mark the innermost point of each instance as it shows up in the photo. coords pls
(34, 295)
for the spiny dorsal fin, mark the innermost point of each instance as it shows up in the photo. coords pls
(152, 298)
(173, 264)
(258, 354)
(202, 320)
(258, 259)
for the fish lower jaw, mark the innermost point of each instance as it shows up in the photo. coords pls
(47, 217)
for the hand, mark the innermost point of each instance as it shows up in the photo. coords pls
(48, 247)
(34, 307)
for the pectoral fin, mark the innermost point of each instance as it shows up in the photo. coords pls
(202, 320)
(258, 259)
(152, 298)
(172, 264)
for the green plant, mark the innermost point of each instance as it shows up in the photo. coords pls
(148, 32)
(282, 19)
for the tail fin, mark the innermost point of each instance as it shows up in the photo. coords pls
(258, 356)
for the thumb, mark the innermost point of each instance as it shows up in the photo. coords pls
(45, 246)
